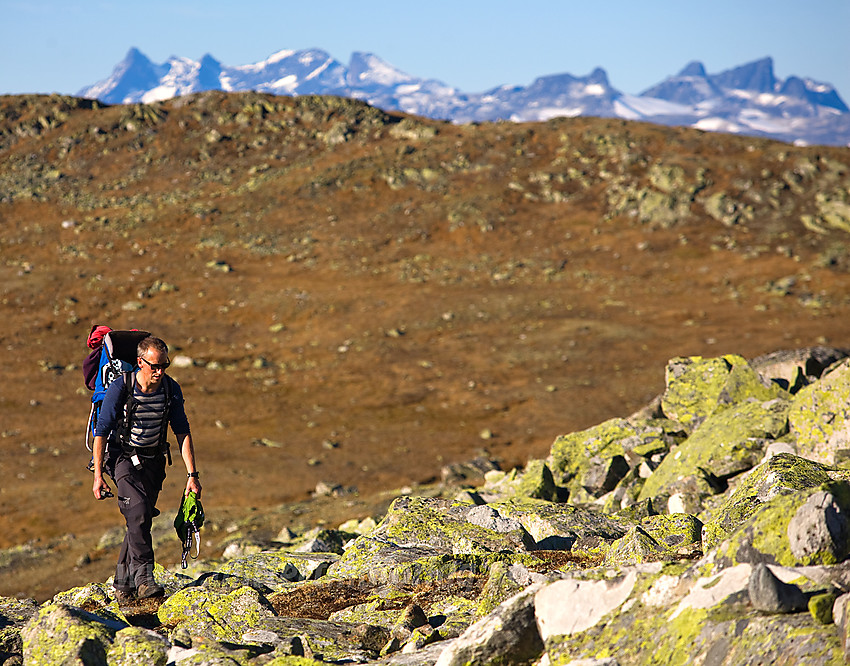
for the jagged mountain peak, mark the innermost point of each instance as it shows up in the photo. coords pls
(694, 68)
(747, 99)
(757, 76)
(368, 69)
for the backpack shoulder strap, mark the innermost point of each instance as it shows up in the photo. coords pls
(128, 403)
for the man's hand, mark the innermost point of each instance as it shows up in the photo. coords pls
(194, 485)
(100, 489)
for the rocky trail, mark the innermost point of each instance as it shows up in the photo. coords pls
(712, 526)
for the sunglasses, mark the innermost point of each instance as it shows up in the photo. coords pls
(156, 366)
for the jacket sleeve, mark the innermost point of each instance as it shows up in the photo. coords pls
(110, 409)
(177, 417)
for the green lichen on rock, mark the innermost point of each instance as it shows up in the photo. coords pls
(820, 606)
(726, 443)
(135, 646)
(537, 482)
(781, 474)
(460, 570)
(219, 617)
(640, 633)
(417, 527)
(275, 569)
(62, 634)
(763, 537)
(561, 526)
(678, 533)
(14, 614)
(698, 387)
(662, 537)
(570, 454)
(592, 462)
(372, 612)
(635, 548)
(499, 586)
(819, 417)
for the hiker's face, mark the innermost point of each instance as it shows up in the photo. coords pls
(152, 365)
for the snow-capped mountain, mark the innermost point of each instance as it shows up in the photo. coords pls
(747, 100)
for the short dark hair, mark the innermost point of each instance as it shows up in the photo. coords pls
(151, 342)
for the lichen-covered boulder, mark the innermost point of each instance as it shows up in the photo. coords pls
(535, 481)
(591, 462)
(14, 614)
(560, 526)
(698, 387)
(275, 569)
(372, 612)
(404, 569)
(87, 596)
(589, 602)
(225, 583)
(820, 528)
(335, 642)
(794, 368)
(416, 529)
(206, 652)
(636, 547)
(61, 634)
(819, 417)
(661, 537)
(135, 646)
(726, 443)
(508, 635)
(570, 454)
(500, 586)
(764, 536)
(779, 475)
(658, 617)
(221, 617)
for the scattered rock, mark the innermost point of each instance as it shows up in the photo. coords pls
(770, 595)
(526, 570)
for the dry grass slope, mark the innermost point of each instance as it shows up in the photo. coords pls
(366, 297)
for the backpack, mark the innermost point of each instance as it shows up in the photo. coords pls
(112, 354)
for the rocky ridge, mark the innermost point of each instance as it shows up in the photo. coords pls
(748, 99)
(710, 526)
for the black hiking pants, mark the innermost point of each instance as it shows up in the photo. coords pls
(137, 491)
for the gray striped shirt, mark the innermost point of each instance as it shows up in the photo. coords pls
(147, 421)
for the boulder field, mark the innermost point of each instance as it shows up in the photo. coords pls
(712, 526)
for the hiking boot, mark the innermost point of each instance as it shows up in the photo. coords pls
(124, 597)
(150, 589)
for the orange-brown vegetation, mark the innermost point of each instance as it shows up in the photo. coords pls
(367, 297)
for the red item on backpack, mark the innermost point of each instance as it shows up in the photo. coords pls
(96, 336)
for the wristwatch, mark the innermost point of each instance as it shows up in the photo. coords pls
(193, 475)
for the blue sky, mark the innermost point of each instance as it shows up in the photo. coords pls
(63, 45)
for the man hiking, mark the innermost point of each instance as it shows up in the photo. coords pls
(131, 446)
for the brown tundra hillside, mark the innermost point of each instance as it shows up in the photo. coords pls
(360, 298)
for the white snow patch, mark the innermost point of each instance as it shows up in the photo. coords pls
(288, 83)
(381, 73)
(632, 107)
(717, 125)
(408, 89)
(306, 58)
(277, 57)
(321, 68)
(546, 113)
(156, 94)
